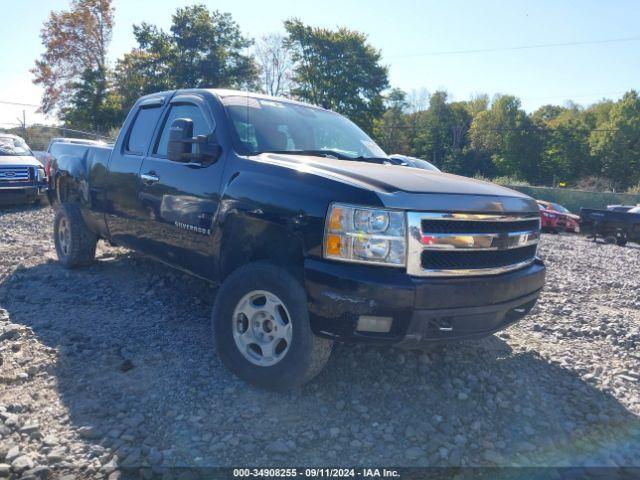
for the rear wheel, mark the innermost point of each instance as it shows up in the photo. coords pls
(75, 243)
(621, 241)
(262, 332)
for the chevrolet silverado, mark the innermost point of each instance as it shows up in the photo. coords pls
(311, 233)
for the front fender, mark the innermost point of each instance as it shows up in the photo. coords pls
(274, 212)
(258, 223)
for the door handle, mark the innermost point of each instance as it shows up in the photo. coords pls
(149, 178)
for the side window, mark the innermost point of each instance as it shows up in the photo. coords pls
(142, 129)
(247, 134)
(200, 126)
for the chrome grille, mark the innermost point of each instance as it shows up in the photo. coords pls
(461, 244)
(14, 174)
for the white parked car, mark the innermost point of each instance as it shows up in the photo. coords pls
(414, 162)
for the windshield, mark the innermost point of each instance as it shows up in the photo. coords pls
(419, 163)
(262, 125)
(14, 146)
(559, 208)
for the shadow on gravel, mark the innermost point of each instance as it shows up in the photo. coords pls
(20, 207)
(137, 367)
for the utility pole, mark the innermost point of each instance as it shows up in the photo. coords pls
(23, 124)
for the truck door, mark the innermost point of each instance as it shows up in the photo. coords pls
(181, 199)
(123, 211)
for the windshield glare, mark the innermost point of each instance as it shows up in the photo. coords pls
(560, 208)
(14, 147)
(262, 125)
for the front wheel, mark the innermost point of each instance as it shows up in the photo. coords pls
(262, 331)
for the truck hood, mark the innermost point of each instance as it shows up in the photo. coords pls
(411, 188)
(6, 160)
(389, 178)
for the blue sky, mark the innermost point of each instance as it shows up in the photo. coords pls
(402, 29)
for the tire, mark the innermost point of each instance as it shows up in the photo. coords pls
(621, 241)
(240, 337)
(75, 243)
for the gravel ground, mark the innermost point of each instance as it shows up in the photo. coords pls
(113, 366)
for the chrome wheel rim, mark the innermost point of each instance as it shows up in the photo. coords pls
(64, 236)
(262, 328)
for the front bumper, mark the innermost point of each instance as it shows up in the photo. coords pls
(20, 192)
(423, 309)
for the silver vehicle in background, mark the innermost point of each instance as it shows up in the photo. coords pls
(413, 162)
(22, 175)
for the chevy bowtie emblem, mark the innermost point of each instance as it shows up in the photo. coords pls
(501, 242)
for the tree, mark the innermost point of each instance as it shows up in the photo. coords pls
(547, 113)
(75, 42)
(204, 49)
(508, 136)
(93, 105)
(565, 134)
(438, 132)
(339, 70)
(390, 129)
(618, 143)
(146, 69)
(273, 56)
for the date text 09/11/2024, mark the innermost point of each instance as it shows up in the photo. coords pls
(316, 473)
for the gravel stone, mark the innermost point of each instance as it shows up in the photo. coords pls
(280, 446)
(558, 388)
(413, 453)
(23, 462)
(12, 454)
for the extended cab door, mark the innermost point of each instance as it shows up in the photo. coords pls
(124, 212)
(181, 199)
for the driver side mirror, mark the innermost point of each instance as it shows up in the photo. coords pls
(181, 139)
(180, 135)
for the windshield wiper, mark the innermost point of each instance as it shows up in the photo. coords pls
(331, 153)
(317, 153)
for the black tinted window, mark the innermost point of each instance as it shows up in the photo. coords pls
(200, 126)
(142, 129)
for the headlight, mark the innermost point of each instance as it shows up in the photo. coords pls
(365, 235)
(41, 174)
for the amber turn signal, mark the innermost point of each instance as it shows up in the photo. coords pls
(335, 221)
(334, 244)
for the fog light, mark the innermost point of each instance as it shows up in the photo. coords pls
(368, 323)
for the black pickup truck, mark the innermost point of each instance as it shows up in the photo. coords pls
(311, 233)
(615, 224)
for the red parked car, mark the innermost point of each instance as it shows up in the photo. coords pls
(555, 218)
